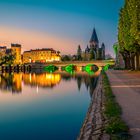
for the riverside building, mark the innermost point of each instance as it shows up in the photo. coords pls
(41, 55)
(14, 50)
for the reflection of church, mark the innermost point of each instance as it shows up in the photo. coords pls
(90, 83)
(87, 80)
(13, 82)
(93, 51)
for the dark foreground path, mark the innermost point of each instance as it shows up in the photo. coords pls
(126, 87)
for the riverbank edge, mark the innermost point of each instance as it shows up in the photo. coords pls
(97, 121)
(94, 123)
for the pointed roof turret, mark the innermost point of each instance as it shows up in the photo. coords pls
(87, 49)
(94, 37)
(103, 46)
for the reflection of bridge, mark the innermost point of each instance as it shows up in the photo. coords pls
(98, 63)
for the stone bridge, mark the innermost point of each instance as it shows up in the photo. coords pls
(99, 63)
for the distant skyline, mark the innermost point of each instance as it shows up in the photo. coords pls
(58, 24)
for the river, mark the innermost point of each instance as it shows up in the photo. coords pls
(44, 106)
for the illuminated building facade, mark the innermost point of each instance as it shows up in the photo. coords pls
(16, 50)
(41, 55)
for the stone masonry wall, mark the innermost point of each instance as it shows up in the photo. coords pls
(93, 126)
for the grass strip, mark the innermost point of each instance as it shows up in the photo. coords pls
(115, 127)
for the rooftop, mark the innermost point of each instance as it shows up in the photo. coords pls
(43, 49)
(2, 47)
(94, 37)
(16, 45)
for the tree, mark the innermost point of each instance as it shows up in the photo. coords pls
(129, 32)
(116, 48)
(133, 7)
(79, 53)
(7, 59)
(122, 35)
(58, 52)
(66, 58)
(134, 13)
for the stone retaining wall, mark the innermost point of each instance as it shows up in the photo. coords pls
(93, 126)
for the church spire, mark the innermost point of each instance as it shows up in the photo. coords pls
(94, 37)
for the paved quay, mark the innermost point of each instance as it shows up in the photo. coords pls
(126, 87)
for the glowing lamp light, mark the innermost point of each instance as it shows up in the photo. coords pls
(70, 69)
(50, 68)
(106, 67)
(79, 68)
(30, 60)
(88, 68)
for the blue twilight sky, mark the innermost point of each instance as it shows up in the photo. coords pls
(60, 24)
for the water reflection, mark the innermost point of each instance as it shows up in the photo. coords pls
(41, 80)
(13, 83)
(39, 116)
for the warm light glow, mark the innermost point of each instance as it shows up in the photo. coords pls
(43, 80)
(79, 68)
(30, 78)
(40, 55)
(17, 79)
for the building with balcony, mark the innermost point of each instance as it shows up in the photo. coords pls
(41, 55)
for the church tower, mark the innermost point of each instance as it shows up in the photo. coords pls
(94, 42)
(93, 51)
(103, 51)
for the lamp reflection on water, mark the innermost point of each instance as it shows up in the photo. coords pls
(42, 80)
(14, 82)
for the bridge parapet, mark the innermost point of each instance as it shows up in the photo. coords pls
(99, 63)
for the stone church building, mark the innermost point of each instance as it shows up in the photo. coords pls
(93, 51)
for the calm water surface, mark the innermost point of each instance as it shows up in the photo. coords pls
(43, 106)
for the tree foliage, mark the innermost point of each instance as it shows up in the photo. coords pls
(79, 53)
(66, 58)
(7, 59)
(129, 29)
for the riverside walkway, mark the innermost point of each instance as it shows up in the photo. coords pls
(126, 87)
